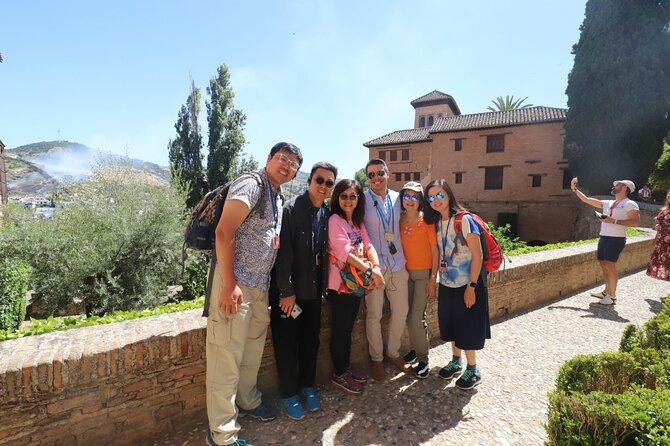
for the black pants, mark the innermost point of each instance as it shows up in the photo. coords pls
(296, 344)
(344, 312)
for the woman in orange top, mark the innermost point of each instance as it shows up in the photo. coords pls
(419, 242)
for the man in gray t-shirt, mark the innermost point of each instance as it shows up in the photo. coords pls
(247, 239)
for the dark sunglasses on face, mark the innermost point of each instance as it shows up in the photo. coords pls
(439, 196)
(320, 180)
(380, 174)
(351, 197)
(408, 197)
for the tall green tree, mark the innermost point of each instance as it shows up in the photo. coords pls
(185, 150)
(226, 132)
(619, 92)
(360, 176)
(507, 103)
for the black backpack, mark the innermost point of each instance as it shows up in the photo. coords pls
(201, 226)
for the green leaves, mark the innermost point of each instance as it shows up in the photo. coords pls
(618, 92)
(51, 324)
(114, 243)
(507, 103)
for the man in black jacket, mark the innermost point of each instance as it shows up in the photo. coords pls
(298, 283)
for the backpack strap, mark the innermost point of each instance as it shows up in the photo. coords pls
(458, 224)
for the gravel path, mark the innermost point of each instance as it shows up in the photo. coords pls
(519, 365)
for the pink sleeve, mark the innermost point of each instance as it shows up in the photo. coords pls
(366, 239)
(339, 245)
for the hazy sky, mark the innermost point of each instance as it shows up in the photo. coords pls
(325, 75)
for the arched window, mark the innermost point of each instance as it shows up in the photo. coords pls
(422, 121)
(430, 120)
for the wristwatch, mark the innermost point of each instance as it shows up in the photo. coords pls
(473, 284)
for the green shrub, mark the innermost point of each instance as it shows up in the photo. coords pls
(631, 338)
(194, 279)
(116, 245)
(13, 289)
(638, 417)
(615, 372)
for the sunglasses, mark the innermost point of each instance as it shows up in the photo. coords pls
(284, 160)
(439, 196)
(408, 197)
(352, 197)
(320, 180)
(380, 174)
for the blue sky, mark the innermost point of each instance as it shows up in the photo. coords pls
(325, 75)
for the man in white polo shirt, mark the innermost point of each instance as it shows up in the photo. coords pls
(616, 215)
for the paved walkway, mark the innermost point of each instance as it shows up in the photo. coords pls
(519, 365)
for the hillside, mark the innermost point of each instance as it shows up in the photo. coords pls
(33, 169)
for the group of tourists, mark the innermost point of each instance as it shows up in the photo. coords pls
(369, 245)
(405, 246)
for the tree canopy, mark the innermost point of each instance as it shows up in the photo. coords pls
(507, 103)
(619, 92)
(185, 150)
(226, 132)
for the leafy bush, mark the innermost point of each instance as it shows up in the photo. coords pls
(655, 333)
(507, 241)
(51, 323)
(115, 244)
(13, 289)
(194, 279)
(615, 372)
(616, 397)
(640, 416)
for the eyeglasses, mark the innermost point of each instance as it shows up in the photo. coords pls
(439, 196)
(320, 180)
(379, 173)
(352, 197)
(408, 197)
(284, 160)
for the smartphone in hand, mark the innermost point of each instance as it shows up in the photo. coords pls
(296, 311)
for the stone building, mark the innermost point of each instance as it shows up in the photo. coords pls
(3, 175)
(509, 166)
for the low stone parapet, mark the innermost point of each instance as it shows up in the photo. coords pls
(124, 382)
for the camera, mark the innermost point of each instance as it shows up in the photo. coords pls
(392, 248)
(599, 215)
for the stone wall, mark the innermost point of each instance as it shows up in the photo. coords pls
(126, 382)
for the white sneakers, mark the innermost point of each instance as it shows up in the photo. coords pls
(605, 299)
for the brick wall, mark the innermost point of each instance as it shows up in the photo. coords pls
(121, 383)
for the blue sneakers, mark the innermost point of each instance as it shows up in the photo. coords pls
(263, 412)
(293, 408)
(210, 441)
(312, 400)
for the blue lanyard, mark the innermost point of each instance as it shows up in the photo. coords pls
(386, 216)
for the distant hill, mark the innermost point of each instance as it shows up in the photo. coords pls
(33, 169)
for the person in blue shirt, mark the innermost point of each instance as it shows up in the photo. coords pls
(382, 216)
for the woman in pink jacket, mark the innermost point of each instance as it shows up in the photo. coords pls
(348, 244)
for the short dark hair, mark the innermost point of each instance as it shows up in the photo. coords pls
(430, 215)
(322, 165)
(359, 210)
(287, 147)
(374, 162)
